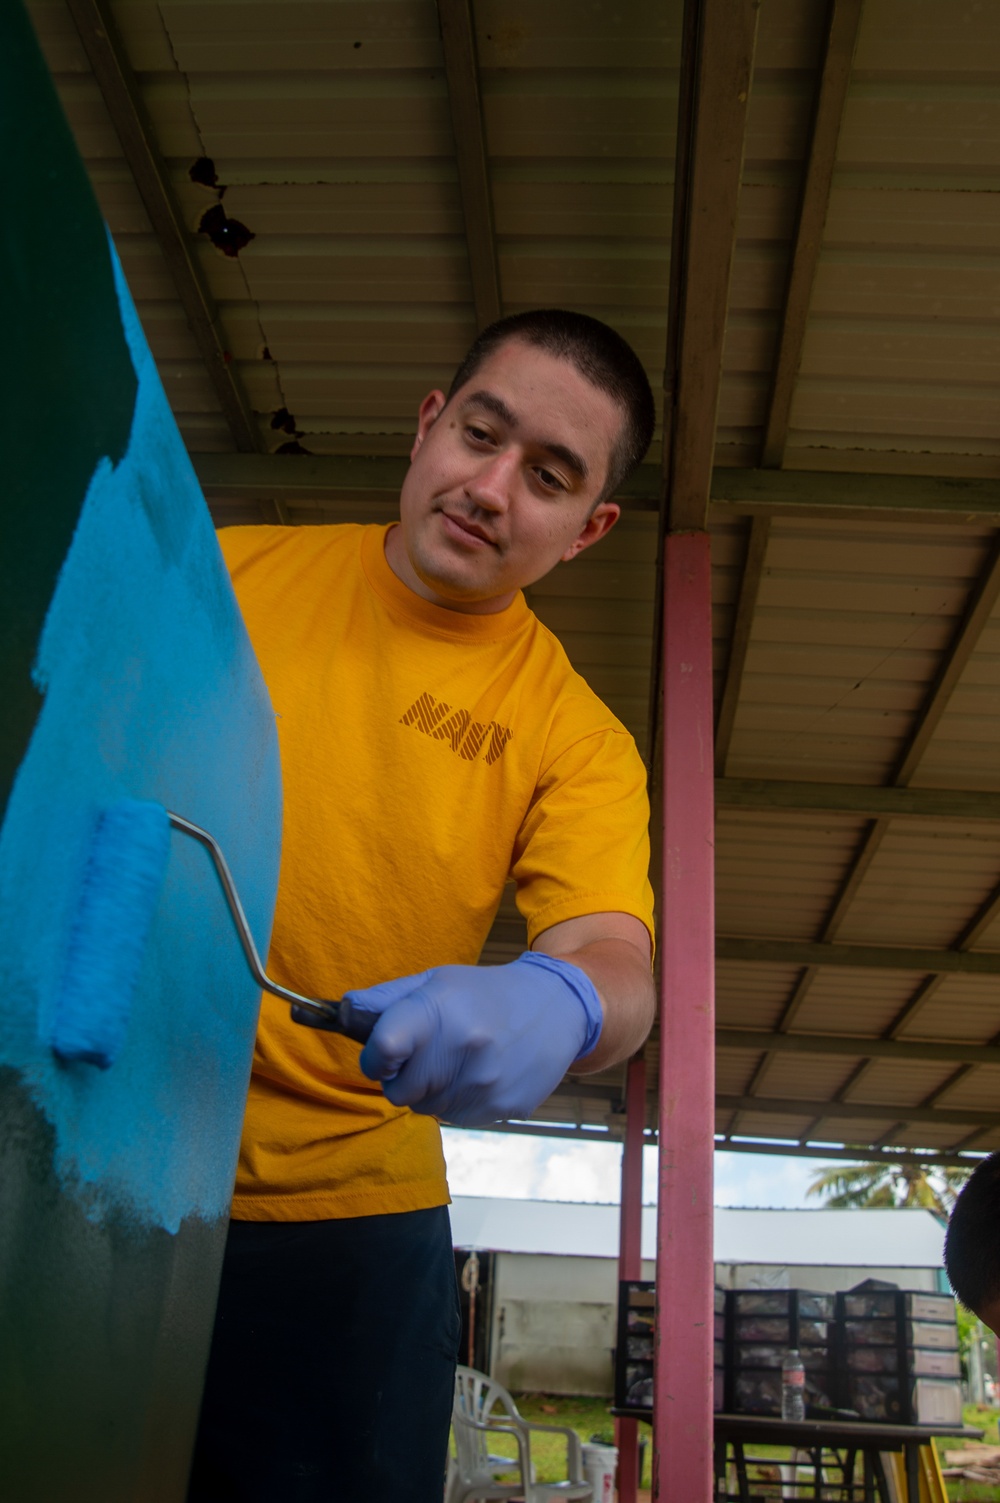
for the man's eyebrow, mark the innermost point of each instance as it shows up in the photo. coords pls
(490, 402)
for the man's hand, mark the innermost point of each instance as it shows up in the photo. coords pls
(478, 1044)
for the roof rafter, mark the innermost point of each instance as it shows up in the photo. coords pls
(837, 1111)
(853, 1046)
(855, 799)
(865, 957)
(330, 477)
(458, 37)
(836, 1151)
(116, 80)
(842, 35)
(739, 637)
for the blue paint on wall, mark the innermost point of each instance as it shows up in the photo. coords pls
(151, 690)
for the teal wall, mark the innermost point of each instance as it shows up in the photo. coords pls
(128, 673)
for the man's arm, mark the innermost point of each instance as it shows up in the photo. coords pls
(480, 1044)
(614, 951)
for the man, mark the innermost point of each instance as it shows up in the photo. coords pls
(972, 1243)
(435, 743)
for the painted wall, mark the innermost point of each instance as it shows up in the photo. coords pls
(128, 673)
(554, 1323)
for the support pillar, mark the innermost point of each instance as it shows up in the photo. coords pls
(630, 1251)
(683, 1414)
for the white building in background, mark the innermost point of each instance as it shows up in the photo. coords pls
(550, 1300)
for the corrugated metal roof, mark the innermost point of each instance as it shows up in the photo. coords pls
(864, 651)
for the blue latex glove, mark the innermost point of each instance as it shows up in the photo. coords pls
(478, 1044)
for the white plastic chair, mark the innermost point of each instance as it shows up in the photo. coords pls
(483, 1409)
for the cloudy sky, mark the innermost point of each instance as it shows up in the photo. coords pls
(535, 1168)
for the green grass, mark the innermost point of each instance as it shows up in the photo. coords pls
(981, 1417)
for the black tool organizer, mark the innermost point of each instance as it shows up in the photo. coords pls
(881, 1355)
(634, 1351)
(898, 1356)
(761, 1326)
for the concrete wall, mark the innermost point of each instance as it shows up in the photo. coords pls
(554, 1321)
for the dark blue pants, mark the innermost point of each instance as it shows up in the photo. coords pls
(332, 1365)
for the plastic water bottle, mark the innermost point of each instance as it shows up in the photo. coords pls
(793, 1387)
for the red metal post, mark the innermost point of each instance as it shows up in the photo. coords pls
(630, 1251)
(682, 1417)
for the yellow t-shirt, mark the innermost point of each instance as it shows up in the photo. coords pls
(427, 755)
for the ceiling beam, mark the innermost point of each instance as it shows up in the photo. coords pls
(739, 637)
(866, 957)
(539, 1128)
(231, 477)
(837, 1151)
(711, 140)
(458, 36)
(299, 477)
(853, 799)
(842, 35)
(982, 600)
(853, 1047)
(117, 82)
(825, 492)
(832, 1152)
(822, 1111)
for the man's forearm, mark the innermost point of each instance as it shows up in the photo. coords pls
(619, 968)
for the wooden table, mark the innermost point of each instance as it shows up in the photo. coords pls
(816, 1436)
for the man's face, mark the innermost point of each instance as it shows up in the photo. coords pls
(503, 480)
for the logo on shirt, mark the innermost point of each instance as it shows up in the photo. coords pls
(457, 728)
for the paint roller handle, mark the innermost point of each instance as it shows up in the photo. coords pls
(335, 1017)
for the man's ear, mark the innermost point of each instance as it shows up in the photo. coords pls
(427, 415)
(601, 520)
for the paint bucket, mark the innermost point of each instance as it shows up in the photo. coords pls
(600, 1463)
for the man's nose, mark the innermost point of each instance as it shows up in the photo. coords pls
(492, 484)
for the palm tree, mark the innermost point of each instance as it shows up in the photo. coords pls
(845, 1186)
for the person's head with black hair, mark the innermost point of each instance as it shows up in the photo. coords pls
(600, 354)
(972, 1243)
(517, 468)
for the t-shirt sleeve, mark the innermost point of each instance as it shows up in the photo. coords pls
(240, 545)
(584, 845)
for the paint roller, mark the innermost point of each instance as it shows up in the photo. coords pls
(125, 867)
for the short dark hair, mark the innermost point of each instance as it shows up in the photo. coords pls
(601, 356)
(972, 1241)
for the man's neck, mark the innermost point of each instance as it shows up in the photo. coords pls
(398, 560)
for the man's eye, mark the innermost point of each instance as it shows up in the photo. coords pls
(550, 480)
(479, 435)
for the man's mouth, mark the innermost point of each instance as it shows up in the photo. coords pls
(468, 529)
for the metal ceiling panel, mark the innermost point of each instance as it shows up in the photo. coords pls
(964, 1007)
(864, 1002)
